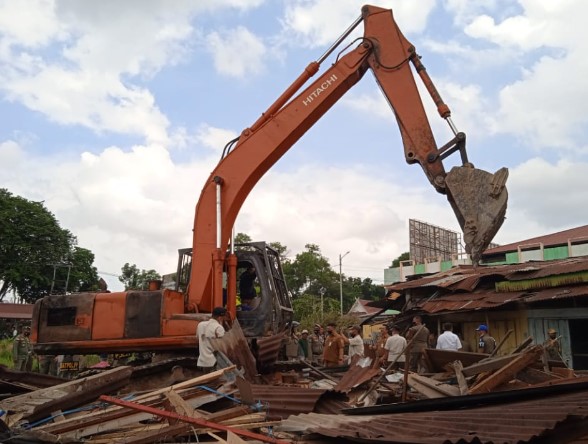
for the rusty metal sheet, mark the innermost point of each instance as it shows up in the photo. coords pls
(268, 348)
(235, 346)
(468, 301)
(283, 401)
(558, 293)
(355, 376)
(512, 422)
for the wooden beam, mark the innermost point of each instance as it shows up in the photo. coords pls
(507, 372)
(461, 381)
(195, 421)
(431, 388)
(488, 365)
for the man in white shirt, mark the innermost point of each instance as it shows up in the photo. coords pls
(355, 343)
(395, 345)
(205, 331)
(448, 340)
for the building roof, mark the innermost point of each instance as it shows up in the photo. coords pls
(16, 311)
(483, 288)
(549, 240)
(361, 307)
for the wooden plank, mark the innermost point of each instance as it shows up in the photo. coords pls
(507, 372)
(440, 358)
(114, 413)
(179, 405)
(488, 365)
(195, 421)
(423, 389)
(461, 381)
(40, 403)
(444, 389)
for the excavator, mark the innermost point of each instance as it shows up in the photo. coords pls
(207, 273)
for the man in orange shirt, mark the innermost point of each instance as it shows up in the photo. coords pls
(333, 348)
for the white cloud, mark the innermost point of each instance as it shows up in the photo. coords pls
(237, 52)
(30, 24)
(99, 55)
(320, 22)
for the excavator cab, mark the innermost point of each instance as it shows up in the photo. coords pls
(270, 310)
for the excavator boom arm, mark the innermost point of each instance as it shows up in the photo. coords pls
(385, 51)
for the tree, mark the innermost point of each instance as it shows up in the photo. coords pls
(135, 279)
(83, 275)
(32, 246)
(403, 257)
(310, 272)
(282, 250)
(242, 238)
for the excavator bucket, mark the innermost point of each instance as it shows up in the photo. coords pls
(479, 200)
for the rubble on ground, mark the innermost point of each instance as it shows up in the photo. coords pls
(298, 401)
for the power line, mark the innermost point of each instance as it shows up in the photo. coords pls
(109, 274)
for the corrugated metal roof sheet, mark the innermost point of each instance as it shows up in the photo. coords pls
(283, 401)
(355, 376)
(558, 293)
(468, 301)
(513, 422)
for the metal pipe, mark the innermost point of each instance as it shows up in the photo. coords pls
(452, 126)
(337, 42)
(219, 227)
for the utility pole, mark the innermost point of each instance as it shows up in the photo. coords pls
(341, 278)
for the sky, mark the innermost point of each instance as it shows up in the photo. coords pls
(115, 113)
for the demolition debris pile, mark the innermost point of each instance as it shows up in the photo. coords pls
(297, 401)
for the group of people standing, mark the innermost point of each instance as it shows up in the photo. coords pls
(393, 348)
(329, 347)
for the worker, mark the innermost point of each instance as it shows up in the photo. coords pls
(486, 343)
(355, 343)
(304, 351)
(317, 342)
(552, 346)
(419, 335)
(448, 340)
(207, 330)
(333, 350)
(22, 350)
(396, 348)
(247, 284)
(378, 345)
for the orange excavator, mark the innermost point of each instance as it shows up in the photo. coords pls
(164, 320)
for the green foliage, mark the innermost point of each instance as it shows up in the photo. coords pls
(281, 249)
(6, 352)
(403, 257)
(310, 272)
(242, 238)
(32, 243)
(135, 279)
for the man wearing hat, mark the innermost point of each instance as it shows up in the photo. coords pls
(206, 331)
(486, 343)
(552, 346)
(304, 346)
(317, 342)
